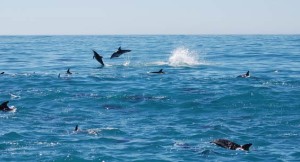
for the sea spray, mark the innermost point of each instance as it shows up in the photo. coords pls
(184, 57)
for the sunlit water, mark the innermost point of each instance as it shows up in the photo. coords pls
(126, 113)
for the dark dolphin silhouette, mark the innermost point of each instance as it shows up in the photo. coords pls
(119, 52)
(4, 106)
(231, 145)
(244, 75)
(158, 72)
(76, 128)
(2, 73)
(68, 71)
(98, 57)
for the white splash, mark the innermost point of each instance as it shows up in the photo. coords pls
(184, 57)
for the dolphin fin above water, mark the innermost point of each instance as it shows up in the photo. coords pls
(68, 71)
(158, 72)
(247, 75)
(231, 145)
(4, 107)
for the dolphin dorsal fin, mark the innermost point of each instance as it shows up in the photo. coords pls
(76, 128)
(248, 73)
(4, 104)
(119, 49)
(246, 146)
(160, 71)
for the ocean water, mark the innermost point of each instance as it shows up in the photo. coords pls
(125, 113)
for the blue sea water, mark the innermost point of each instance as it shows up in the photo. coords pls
(125, 113)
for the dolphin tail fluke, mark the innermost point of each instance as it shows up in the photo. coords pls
(246, 146)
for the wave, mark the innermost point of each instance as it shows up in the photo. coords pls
(184, 57)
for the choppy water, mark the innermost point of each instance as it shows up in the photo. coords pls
(128, 114)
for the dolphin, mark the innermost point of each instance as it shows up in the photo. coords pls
(158, 72)
(2, 73)
(119, 52)
(4, 106)
(98, 57)
(231, 145)
(89, 131)
(68, 71)
(247, 75)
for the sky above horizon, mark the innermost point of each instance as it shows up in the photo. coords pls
(64, 17)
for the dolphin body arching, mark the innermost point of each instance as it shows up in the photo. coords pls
(119, 52)
(98, 58)
(231, 145)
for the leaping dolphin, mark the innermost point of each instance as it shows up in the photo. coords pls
(158, 72)
(4, 106)
(231, 145)
(119, 52)
(98, 57)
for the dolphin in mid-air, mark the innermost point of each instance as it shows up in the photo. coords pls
(98, 57)
(231, 145)
(158, 72)
(119, 52)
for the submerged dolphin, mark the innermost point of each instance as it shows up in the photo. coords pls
(231, 145)
(158, 72)
(4, 106)
(119, 52)
(2, 73)
(98, 57)
(68, 71)
(247, 75)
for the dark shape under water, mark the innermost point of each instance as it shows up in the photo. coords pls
(158, 72)
(2, 73)
(98, 58)
(231, 145)
(119, 52)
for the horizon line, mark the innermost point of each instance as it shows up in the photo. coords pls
(149, 34)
